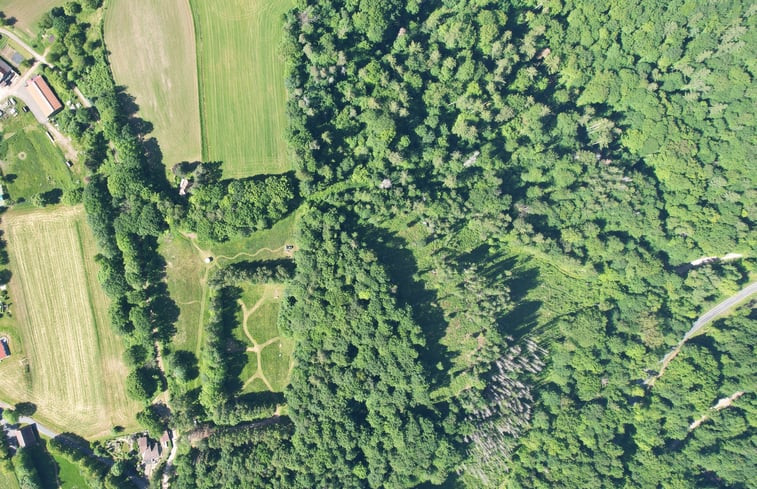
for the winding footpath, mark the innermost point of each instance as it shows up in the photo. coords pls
(700, 323)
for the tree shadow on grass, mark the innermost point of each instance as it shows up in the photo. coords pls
(402, 268)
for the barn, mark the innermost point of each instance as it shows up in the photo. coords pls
(43, 95)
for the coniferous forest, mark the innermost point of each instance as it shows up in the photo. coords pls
(503, 201)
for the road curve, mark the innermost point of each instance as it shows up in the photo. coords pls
(44, 430)
(706, 318)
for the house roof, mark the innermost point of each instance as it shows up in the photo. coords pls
(5, 350)
(43, 95)
(27, 435)
(149, 450)
(5, 68)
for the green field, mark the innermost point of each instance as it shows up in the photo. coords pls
(7, 476)
(242, 96)
(27, 13)
(69, 476)
(152, 53)
(269, 355)
(31, 164)
(187, 272)
(187, 275)
(67, 359)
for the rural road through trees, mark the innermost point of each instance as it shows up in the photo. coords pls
(703, 320)
(17, 40)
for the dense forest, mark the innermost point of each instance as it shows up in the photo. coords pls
(503, 201)
(502, 205)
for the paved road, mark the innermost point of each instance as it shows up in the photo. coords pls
(703, 321)
(38, 57)
(44, 430)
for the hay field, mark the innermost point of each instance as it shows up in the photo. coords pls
(152, 53)
(69, 361)
(27, 13)
(242, 95)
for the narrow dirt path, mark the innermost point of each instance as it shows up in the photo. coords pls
(246, 313)
(705, 319)
(722, 404)
(251, 255)
(62, 141)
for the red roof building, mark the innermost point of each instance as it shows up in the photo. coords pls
(43, 95)
(5, 350)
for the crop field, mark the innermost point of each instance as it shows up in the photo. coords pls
(30, 162)
(242, 95)
(152, 53)
(27, 13)
(68, 362)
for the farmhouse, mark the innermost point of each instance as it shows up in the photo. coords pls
(43, 96)
(27, 435)
(6, 72)
(149, 450)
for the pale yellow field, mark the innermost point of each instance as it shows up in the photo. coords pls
(152, 53)
(69, 363)
(27, 13)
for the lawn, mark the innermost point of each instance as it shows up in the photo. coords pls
(67, 360)
(27, 13)
(187, 271)
(152, 53)
(31, 164)
(269, 355)
(7, 476)
(69, 476)
(242, 95)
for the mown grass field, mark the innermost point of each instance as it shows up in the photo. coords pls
(242, 95)
(187, 275)
(27, 13)
(269, 354)
(152, 54)
(68, 360)
(30, 162)
(187, 272)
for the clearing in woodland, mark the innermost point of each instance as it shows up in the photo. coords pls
(242, 96)
(152, 53)
(68, 362)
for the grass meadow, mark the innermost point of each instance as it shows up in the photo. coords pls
(187, 275)
(269, 355)
(241, 74)
(67, 360)
(152, 54)
(31, 163)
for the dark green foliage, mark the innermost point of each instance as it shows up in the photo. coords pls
(153, 419)
(26, 471)
(222, 210)
(359, 398)
(141, 384)
(253, 272)
(238, 457)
